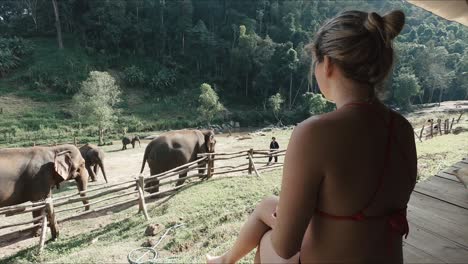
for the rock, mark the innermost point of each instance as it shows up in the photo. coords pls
(149, 243)
(231, 123)
(94, 240)
(267, 129)
(152, 230)
(261, 134)
(244, 137)
(236, 124)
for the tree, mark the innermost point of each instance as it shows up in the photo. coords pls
(210, 106)
(96, 101)
(57, 24)
(275, 103)
(406, 85)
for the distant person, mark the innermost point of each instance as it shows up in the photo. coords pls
(273, 146)
(348, 174)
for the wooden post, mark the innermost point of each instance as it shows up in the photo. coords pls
(51, 217)
(74, 141)
(446, 126)
(458, 120)
(421, 133)
(141, 194)
(431, 122)
(209, 170)
(43, 231)
(250, 161)
(253, 165)
(439, 123)
(451, 125)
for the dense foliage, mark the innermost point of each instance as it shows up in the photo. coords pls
(247, 50)
(95, 103)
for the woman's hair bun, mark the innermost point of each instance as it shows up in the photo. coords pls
(393, 23)
(388, 26)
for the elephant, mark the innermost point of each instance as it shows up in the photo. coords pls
(176, 148)
(28, 174)
(94, 158)
(126, 141)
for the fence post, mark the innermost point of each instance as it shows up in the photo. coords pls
(451, 125)
(421, 133)
(51, 217)
(74, 141)
(447, 124)
(458, 120)
(253, 165)
(209, 172)
(141, 203)
(432, 128)
(439, 123)
(250, 160)
(43, 231)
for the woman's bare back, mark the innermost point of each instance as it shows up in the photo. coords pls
(355, 159)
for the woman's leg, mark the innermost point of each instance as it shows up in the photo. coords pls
(259, 222)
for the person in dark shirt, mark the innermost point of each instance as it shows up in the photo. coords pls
(273, 146)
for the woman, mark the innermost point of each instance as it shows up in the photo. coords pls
(348, 174)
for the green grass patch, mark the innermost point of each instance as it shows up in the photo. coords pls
(212, 212)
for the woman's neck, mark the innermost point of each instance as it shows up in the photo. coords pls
(345, 92)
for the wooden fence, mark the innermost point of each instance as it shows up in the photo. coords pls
(433, 128)
(55, 210)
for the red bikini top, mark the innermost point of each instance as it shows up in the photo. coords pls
(397, 222)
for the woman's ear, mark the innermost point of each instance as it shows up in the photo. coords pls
(328, 66)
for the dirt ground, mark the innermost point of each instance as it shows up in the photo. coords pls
(122, 166)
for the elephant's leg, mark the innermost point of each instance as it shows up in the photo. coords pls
(153, 182)
(202, 167)
(96, 170)
(37, 230)
(91, 172)
(182, 175)
(82, 184)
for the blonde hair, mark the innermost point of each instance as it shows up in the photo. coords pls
(360, 43)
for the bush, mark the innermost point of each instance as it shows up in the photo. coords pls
(163, 80)
(315, 104)
(12, 51)
(134, 76)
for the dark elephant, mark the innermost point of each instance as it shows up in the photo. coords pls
(94, 158)
(127, 140)
(27, 174)
(176, 148)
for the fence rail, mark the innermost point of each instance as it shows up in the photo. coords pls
(63, 208)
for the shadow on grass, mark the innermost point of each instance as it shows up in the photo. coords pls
(120, 229)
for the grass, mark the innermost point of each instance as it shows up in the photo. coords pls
(212, 212)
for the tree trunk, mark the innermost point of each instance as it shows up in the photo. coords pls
(57, 24)
(247, 84)
(440, 95)
(101, 136)
(183, 43)
(290, 90)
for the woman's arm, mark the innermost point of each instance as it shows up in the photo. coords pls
(302, 176)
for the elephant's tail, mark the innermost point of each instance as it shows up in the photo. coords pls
(144, 159)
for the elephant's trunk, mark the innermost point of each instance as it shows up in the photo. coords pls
(101, 165)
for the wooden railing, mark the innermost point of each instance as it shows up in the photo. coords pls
(66, 207)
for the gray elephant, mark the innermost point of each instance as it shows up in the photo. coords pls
(94, 158)
(127, 140)
(176, 148)
(27, 174)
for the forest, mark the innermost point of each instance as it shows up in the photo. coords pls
(247, 50)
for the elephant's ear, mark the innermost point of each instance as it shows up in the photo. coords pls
(62, 165)
(209, 140)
